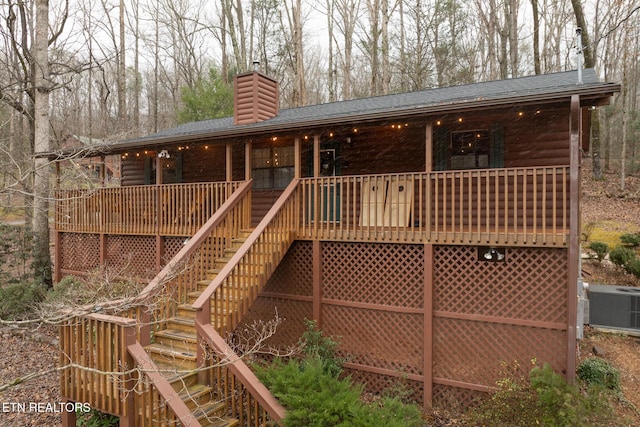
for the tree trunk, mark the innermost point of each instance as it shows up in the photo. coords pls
(589, 62)
(42, 173)
(536, 37)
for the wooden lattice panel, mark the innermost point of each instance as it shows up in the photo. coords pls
(383, 274)
(134, 255)
(79, 252)
(474, 352)
(376, 338)
(386, 384)
(172, 246)
(293, 312)
(294, 275)
(529, 284)
(453, 399)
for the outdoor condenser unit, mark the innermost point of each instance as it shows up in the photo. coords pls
(614, 307)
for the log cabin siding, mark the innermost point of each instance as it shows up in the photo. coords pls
(204, 164)
(133, 171)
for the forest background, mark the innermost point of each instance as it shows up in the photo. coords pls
(107, 70)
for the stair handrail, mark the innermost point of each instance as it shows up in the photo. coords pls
(246, 246)
(242, 372)
(196, 240)
(160, 383)
(211, 336)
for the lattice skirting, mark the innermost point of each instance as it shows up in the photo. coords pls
(134, 256)
(486, 315)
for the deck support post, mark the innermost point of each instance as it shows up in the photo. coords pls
(574, 233)
(57, 256)
(317, 282)
(229, 163)
(68, 417)
(247, 160)
(104, 249)
(428, 326)
(159, 251)
(129, 418)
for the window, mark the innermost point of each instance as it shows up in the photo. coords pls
(470, 149)
(273, 167)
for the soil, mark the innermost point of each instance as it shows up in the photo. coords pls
(603, 202)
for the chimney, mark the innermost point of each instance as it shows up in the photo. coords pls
(255, 98)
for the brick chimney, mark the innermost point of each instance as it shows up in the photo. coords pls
(255, 98)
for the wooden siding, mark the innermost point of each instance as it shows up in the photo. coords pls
(255, 98)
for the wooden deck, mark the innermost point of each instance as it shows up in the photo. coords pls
(508, 207)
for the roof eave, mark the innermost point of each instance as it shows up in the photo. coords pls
(593, 94)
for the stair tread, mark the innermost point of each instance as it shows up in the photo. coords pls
(177, 334)
(171, 352)
(206, 414)
(182, 320)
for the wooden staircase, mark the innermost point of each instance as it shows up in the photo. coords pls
(174, 349)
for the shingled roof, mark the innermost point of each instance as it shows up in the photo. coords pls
(539, 88)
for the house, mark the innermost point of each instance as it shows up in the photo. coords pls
(435, 232)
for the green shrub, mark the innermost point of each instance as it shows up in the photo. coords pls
(314, 397)
(316, 345)
(600, 248)
(630, 239)
(633, 267)
(596, 371)
(546, 399)
(95, 418)
(621, 256)
(19, 300)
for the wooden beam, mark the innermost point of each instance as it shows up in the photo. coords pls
(297, 150)
(317, 282)
(427, 344)
(428, 144)
(229, 163)
(574, 233)
(247, 160)
(158, 170)
(316, 156)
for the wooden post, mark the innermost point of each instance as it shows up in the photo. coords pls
(247, 160)
(104, 249)
(316, 156)
(129, 417)
(574, 233)
(297, 158)
(428, 144)
(68, 417)
(57, 257)
(229, 162)
(428, 326)
(317, 282)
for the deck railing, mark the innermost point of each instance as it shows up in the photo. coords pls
(168, 210)
(107, 366)
(516, 206)
(93, 348)
(252, 264)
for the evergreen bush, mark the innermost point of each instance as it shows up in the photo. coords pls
(597, 371)
(545, 399)
(621, 256)
(600, 248)
(19, 300)
(631, 239)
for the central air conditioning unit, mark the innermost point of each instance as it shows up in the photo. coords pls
(614, 307)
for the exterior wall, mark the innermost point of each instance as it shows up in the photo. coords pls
(374, 297)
